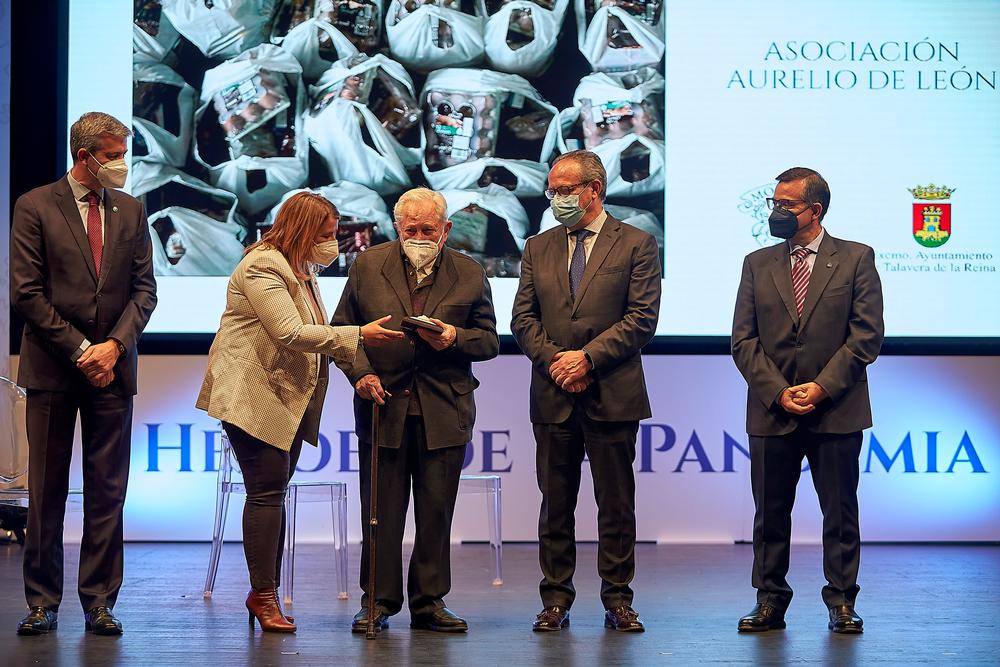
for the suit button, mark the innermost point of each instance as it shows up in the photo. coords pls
(90, 323)
(406, 392)
(574, 318)
(798, 345)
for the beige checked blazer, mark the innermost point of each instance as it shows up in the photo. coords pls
(263, 367)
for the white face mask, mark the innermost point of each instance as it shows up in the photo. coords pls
(324, 254)
(110, 174)
(421, 253)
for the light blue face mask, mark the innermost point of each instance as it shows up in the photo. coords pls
(566, 209)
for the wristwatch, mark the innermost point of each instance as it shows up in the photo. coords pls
(121, 348)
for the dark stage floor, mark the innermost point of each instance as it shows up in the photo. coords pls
(934, 605)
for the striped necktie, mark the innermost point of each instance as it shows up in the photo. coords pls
(579, 261)
(800, 276)
(94, 234)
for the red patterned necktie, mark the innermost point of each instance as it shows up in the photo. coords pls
(800, 276)
(94, 230)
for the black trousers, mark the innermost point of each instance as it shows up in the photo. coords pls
(106, 430)
(775, 466)
(434, 475)
(610, 448)
(266, 473)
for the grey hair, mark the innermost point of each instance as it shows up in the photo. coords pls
(86, 133)
(418, 196)
(591, 167)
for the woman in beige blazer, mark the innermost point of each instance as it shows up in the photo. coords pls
(267, 376)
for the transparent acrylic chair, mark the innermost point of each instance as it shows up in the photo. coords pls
(489, 485)
(230, 480)
(14, 448)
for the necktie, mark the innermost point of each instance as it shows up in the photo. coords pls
(579, 262)
(800, 276)
(94, 230)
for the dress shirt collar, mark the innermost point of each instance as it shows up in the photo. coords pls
(80, 190)
(596, 225)
(813, 246)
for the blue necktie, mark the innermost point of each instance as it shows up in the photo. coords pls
(579, 263)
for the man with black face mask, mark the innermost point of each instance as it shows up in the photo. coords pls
(81, 277)
(808, 322)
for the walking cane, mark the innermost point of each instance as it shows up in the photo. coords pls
(371, 632)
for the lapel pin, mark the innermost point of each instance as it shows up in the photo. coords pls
(829, 265)
(114, 209)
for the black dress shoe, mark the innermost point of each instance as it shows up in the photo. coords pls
(551, 619)
(623, 619)
(844, 620)
(38, 622)
(360, 622)
(762, 618)
(440, 619)
(101, 621)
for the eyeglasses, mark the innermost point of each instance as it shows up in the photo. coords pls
(784, 203)
(565, 190)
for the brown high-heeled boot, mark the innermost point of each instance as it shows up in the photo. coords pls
(263, 605)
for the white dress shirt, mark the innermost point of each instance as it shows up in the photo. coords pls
(80, 195)
(813, 246)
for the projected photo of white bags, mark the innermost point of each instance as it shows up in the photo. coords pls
(521, 35)
(620, 34)
(195, 227)
(162, 114)
(248, 126)
(360, 109)
(490, 225)
(429, 34)
(483, 127)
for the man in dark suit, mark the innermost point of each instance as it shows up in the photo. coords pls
(587, 303)
(425, 387)
(81, 277)
(808, 322)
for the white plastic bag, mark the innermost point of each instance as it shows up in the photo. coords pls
(258, 182)
(426, 37)
(303, 42)
(521, 36)
(469, 137)
(495, 241)
(622, 34)
(162, 113)
(153, 36)
(354, 144)
(188, 242)
(621, 115)
(221, 28)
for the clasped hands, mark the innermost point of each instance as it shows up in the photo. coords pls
(98, 362)
(570, 369)
(802, 398)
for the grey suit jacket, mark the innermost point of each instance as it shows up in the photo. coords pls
(839, 333)
(55, 289)
(459, 296)
(614, 316)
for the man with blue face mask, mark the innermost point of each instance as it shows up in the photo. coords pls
(587, 303)
(81, 277)
(424, 385)
(808, 322)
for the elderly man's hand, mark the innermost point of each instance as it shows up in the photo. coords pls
(439, 341)
(370, 388)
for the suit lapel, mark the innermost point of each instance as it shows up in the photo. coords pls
(395, 274)
(443, 282)
(781, 273)
(602, 246)
(822, 271)
(560, 248)
(71, 212)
